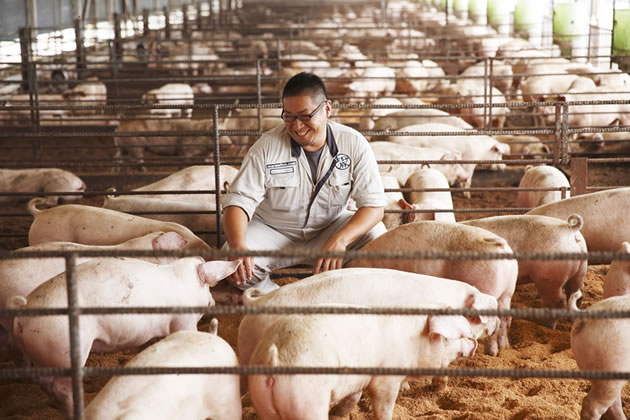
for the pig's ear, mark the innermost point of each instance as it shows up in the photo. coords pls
(451, 327)
(473, 303)
(212, 271)
(407, 217)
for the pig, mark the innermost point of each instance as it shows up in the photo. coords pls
(48, 180)
(496, 277)
(22, 275)
(501, 73)
(351, 341)
(197, 216)
(391, 220)
(88, 93)
(470, 91)
(201, 396)
(366, 122)
(113, 282)
(617, 279)
(477, 147)
(605, 217)
(542, 177)
(395, 121)
(411, 78)
(373, 82)
(523, 147)
(555, 280)
(96, 226)
(192, 178)
(364, 286)
(132, 148)
(171, 94)
(428, 178)
(455, 173)
(602, 344)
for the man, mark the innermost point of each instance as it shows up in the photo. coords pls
(294, 186)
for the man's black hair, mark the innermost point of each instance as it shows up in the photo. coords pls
(305, 83)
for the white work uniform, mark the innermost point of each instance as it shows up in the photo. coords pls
(288, 209)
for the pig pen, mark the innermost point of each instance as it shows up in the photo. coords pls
(532, 347)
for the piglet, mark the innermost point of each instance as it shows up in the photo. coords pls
(349, 341)
(189, 396)
(113, 282)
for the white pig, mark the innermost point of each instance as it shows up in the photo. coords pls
(113, 282)
(455, 172)
(602, 344)
(555, 280)
(86, 94)
(48, 180)
(374, 81)
(617, 279)
(20, 276)
(376, 287)
(95, 226)
(605, 217)
(406, 117)
(496, 277)
(391, 220)
(350, 341)
(171, 94)
(188, 396)
(192, 178)
(428, 178)
(542, 177)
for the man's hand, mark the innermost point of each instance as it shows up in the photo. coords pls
(330, 263)
(244, 271)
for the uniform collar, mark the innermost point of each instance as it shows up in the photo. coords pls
(296, 149)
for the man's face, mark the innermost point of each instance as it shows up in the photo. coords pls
(311, 135)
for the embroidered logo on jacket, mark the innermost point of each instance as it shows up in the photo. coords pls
(342, 161)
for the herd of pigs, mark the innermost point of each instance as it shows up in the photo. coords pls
(556, 223)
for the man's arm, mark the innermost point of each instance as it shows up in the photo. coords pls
(235, 223)
(363, 220)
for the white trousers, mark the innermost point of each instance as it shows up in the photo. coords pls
(261, 237)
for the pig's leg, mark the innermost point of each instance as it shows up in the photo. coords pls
(602, 396)
(344, 406)
(383, 391)
(615, 411)
(552, 296)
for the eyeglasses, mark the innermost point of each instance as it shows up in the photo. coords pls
(287, 118)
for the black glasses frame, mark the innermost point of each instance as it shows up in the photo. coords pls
(302, 118)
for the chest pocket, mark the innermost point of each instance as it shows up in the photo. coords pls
(282, 191)
(339, 185)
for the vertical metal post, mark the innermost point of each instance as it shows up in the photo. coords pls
(26, 53)
(74, 312)
(80, 49)
(565, 132)
(118, 47)
(612, 35)
(145, 22)
(31, 13)
(167, 23)
(491, 93)
(199, 19)
(217, 173)
(185, 23)
(259, 93)
(558, 136)
(579, 176)
(485, 94)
